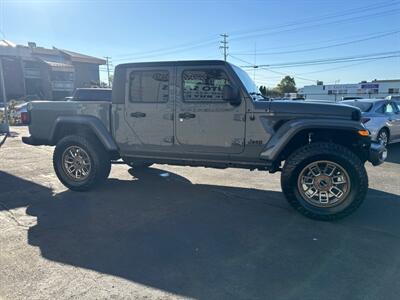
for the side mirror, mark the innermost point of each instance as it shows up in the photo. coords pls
(231, 95)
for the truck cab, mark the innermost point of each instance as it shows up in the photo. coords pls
(194, 110)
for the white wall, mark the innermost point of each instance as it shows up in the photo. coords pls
(334, 92)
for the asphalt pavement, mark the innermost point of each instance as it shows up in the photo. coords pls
(181, 232)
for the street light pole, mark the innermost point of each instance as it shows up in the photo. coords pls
(3, 88)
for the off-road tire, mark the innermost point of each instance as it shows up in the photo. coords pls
(335, 153)
(99, 159)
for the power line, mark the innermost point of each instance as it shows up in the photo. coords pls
(171, 50)
(315, 42)
(168, 49)
(165, 53)
(342, 67)
(324, 47)
(374, 7)
(342, 13)
(330, 60)
(188, 46)
(272, 71)
(352, 19)
(224, 44)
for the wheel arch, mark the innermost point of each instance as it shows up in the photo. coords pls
(385, 127)
(296, 133)
(84, 126)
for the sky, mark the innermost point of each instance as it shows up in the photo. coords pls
(262, 33)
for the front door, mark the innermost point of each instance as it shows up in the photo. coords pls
(394, 120)
(149, 109)
(205, 123)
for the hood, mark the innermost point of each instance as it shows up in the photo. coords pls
(310, 109)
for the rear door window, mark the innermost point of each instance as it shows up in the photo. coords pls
(149, 86)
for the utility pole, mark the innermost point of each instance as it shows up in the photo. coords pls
(5, 127)
(224, 45)
(108, 69)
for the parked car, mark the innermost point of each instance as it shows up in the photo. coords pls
(381, 117)
(202, 113)
(20, 112)
(393, 98)
(91, 94)
(350, 98)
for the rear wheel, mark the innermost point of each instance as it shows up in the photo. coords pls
(324, 181)
(80, 162)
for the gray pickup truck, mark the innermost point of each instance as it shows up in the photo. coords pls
(208, 113)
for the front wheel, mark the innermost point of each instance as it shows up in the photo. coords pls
(80, 162)
(383, 136)
(324, 181)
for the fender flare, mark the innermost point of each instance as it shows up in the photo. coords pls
(288, 130)
(91, 122)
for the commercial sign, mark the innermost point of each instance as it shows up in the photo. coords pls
(370, 86)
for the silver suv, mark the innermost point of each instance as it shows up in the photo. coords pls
(380, 117)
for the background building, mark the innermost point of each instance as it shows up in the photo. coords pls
(335, 92)
(37, 72)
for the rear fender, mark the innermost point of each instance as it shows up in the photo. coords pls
(86, 123)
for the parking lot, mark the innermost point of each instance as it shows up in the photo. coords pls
(180, 232)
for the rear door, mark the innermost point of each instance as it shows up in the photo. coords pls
(205, 123)
(149, 109)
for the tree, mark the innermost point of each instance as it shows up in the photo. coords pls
(287, 85)
(272, 93)
(111, 78)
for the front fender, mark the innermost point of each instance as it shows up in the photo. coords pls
(85, 121)
(288, 131)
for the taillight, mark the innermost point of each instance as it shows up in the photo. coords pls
(365, 120)
(25, 118)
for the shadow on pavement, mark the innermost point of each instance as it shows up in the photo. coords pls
(214, 242)
(394, 153)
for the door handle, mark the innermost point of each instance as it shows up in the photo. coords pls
(187, 115)
(138, 114)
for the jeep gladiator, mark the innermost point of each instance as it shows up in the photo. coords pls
(210, 114)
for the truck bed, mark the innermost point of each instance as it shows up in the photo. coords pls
(44, 115)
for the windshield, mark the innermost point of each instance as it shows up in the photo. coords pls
(247, 81)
